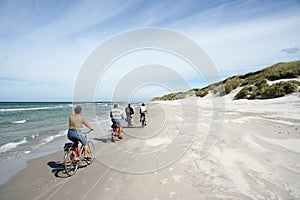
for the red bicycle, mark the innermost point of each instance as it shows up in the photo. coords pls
(116, 132)
(74, 155)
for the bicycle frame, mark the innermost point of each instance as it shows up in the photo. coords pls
(73, 155)
(79, 151)
(116, 132)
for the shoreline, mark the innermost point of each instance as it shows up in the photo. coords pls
(13, 166)
(255, 157)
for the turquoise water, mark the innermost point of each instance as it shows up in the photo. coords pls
(25, 127)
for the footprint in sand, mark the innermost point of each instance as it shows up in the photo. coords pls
(164, 181)
(177, 178)
(172, 194)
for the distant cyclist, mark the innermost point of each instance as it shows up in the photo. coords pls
(129, 112)
(143, 110)
(76, 123)
(116, 117)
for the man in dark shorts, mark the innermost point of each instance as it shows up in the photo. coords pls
(116, 117)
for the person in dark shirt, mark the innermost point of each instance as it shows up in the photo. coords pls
(129, 112)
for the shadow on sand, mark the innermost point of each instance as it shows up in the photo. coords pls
(57, 169)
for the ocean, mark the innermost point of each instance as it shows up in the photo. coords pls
(27, 126)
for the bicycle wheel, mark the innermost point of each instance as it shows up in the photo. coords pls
(91, 152)
(143, 122)
(70, 165)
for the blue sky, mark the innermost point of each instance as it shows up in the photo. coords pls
(45, 43)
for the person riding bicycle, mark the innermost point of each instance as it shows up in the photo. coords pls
(143, 110)
(116, 117)
(76, 122)
(129, 112)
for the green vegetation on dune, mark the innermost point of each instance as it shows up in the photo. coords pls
(201, 92)
(254, 84)
(279, 89)
(174, 96)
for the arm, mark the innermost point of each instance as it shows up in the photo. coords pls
(88, 125)
(131, 111)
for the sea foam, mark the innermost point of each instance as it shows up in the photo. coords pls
(12, 145)
(29, 109)
(19, 122)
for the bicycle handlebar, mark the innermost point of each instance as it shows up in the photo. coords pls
(86, 132)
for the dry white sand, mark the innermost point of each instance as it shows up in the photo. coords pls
(223, 149)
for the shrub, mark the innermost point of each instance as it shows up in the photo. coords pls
(283, 71)
(258, 93)
(246, 92)
(295, 82)
(261, 83)
(280, 89)
(290, 87)
(232, 84)
(201, 93)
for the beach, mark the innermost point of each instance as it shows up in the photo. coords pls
(195, 148)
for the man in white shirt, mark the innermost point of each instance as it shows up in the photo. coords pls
(143, 110)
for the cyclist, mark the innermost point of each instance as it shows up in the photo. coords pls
(143, 110)
(129, 112)
(116, 116)
(76, 122)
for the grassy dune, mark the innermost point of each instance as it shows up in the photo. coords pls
(254, 84)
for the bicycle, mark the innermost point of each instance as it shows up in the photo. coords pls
(74, 155)
(116, 132)
(129, 121)
(143, 120)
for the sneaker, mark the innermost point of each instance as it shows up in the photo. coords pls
(87, 158)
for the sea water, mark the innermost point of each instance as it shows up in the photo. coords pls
(27, 126)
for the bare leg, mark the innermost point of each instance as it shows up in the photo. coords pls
(85, 151)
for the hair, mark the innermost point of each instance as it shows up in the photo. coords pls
(143, 104)
(115, 105)
(77, 109)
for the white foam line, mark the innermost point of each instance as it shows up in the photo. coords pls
(11, 145)
(19, 122)
(26, 109)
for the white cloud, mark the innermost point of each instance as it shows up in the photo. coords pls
(291, 50)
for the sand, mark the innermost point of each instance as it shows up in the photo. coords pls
(209, 148)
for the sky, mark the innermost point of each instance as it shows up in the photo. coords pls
(45, 44)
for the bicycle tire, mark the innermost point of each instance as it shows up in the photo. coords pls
(143, 122)
(70, 166)
(91, 152)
